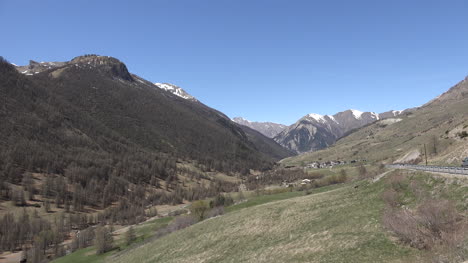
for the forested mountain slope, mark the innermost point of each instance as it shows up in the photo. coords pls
(93, 105)
(93, 131)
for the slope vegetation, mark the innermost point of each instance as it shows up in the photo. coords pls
(334, 226)
(92, 110)
(352, 223)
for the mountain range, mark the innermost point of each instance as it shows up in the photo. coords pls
(314, 132)
(438, 131)
(173, 130)
(269, 129)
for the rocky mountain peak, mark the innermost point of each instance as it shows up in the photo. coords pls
(108, 64)
(314, 131)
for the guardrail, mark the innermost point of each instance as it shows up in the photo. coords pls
(429, 168)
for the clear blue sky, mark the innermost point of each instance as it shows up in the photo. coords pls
(263, 60)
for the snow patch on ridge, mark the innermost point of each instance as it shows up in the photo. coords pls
(317, 117)
(175, 90)
(332, 118)
(357, 114)
(240, 119)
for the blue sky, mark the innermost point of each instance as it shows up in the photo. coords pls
(263, 60)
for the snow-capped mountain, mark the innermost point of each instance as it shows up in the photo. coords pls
(269, 129)
(314, 131)
(176, 90)
(93, 61)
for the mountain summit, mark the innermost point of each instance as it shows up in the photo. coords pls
(314, 131)
(106, 64)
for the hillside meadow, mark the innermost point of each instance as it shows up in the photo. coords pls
(339, 225)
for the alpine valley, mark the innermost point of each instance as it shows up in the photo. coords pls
(98, 164)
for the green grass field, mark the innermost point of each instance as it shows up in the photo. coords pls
(263, 199)
(88, 255)
(337, 224)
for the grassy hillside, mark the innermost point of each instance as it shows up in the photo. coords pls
(438, 126)
(88, 255)
(339, 225)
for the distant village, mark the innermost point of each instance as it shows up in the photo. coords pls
(327, 164)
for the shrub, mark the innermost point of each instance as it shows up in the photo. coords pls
(198, 209)
(221, 200)
(434, 224)
(397, 182)
(403, 224)
(390, 197)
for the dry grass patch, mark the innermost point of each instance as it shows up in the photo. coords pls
(341, 225)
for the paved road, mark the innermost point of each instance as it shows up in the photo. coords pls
(429, 168)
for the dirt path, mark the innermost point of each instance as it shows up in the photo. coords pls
(378, 177)
(9, 257)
